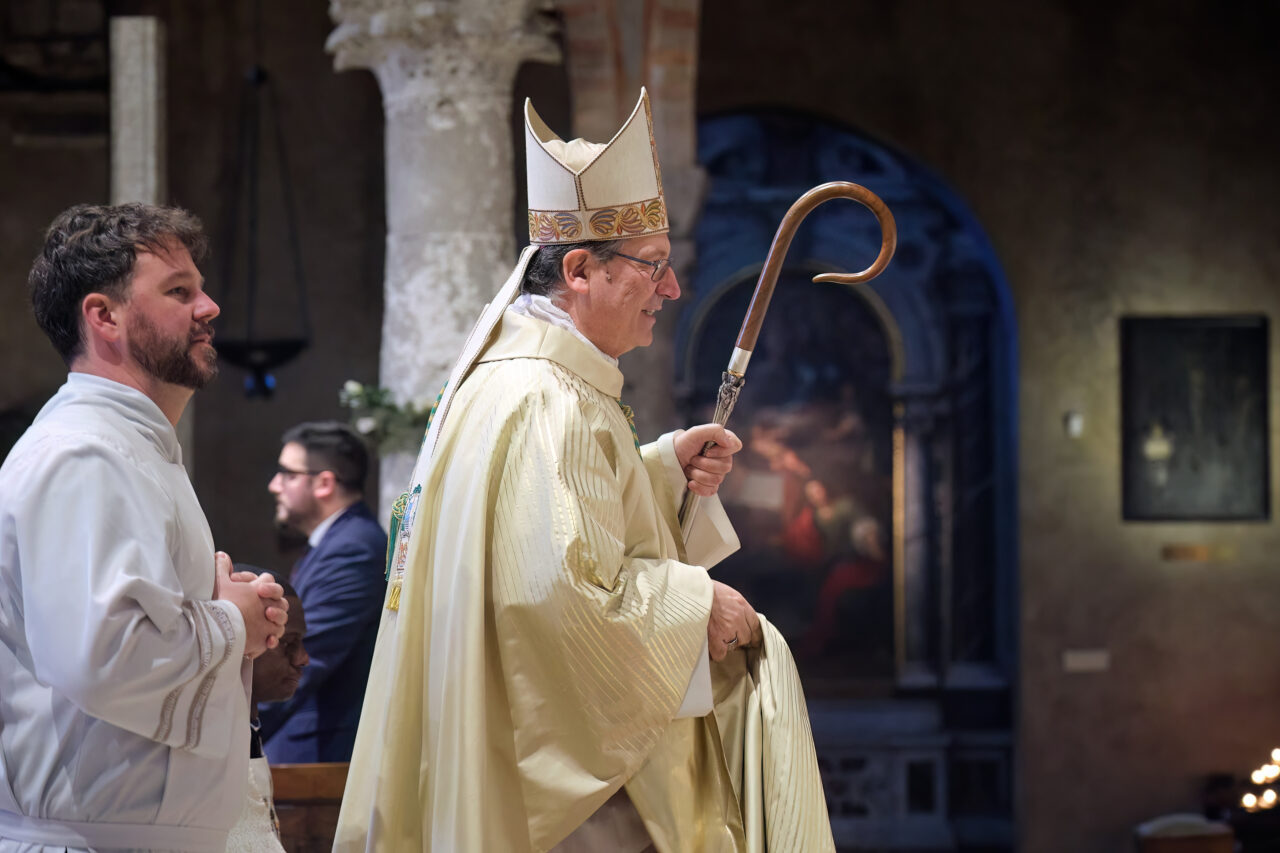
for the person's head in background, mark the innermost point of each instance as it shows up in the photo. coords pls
(276, 672)
(321, 470)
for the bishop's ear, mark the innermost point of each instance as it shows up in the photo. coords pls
(101, 316)
(576, 268)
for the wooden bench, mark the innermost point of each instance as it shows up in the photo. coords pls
(307, 798)
(1189, 844)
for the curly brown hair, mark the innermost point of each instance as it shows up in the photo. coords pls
(92, 248)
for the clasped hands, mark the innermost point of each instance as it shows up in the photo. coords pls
(260, 601)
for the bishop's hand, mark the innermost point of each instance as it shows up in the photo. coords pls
(733, 624)
(705, 469)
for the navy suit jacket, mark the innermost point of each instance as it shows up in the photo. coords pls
(341, 582)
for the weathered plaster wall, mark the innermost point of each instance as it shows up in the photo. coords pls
(1122, 160)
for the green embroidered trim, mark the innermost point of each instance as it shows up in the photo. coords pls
(431, 415)
(397, 519)
(631, 422)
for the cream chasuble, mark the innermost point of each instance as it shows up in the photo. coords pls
(548, 623)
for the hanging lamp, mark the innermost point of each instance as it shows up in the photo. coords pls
(243, 345)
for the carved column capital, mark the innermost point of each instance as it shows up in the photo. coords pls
(442, 52)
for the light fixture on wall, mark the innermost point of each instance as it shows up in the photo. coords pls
(254, 352)
(1073, 424)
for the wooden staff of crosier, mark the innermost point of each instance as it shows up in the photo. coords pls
(735, 376)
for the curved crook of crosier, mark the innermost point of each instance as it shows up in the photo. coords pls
(782, 241)
(888, 239)
(733, 376)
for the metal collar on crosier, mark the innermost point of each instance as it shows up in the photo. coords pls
(734, 377)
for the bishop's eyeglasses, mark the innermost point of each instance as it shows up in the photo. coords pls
(660, 266)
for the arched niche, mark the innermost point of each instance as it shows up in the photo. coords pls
(914, 371)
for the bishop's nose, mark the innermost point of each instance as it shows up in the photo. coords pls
(669, 285)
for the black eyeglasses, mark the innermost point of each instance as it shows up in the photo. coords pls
(289, 472)
(660, 266)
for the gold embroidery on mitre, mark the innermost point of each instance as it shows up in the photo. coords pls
(606, 223)
(625, 199)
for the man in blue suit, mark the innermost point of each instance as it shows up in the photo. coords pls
(319, 488)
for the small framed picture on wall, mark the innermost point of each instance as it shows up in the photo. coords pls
(1194, 413)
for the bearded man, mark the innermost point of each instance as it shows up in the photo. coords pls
(124, 639)
(555, 669)
(319, 492)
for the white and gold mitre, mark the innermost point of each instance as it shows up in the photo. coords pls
(581, 190)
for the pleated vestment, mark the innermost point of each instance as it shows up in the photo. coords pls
(548, 623)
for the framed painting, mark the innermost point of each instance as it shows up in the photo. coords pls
(1194, 412)
(811, 496)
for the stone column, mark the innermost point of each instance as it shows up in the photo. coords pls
(446, 70)
(137, 111)
(138, 153)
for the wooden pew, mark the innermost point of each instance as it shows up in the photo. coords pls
(307, 798)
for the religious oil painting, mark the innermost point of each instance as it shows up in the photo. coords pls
(1194, 418)
(811, 493)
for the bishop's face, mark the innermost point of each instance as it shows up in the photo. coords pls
(621, 309)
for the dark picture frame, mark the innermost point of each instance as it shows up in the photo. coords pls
(1195, 440)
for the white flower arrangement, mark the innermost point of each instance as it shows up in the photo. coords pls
(388, 426)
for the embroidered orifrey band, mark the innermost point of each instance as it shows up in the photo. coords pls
(631, 422)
